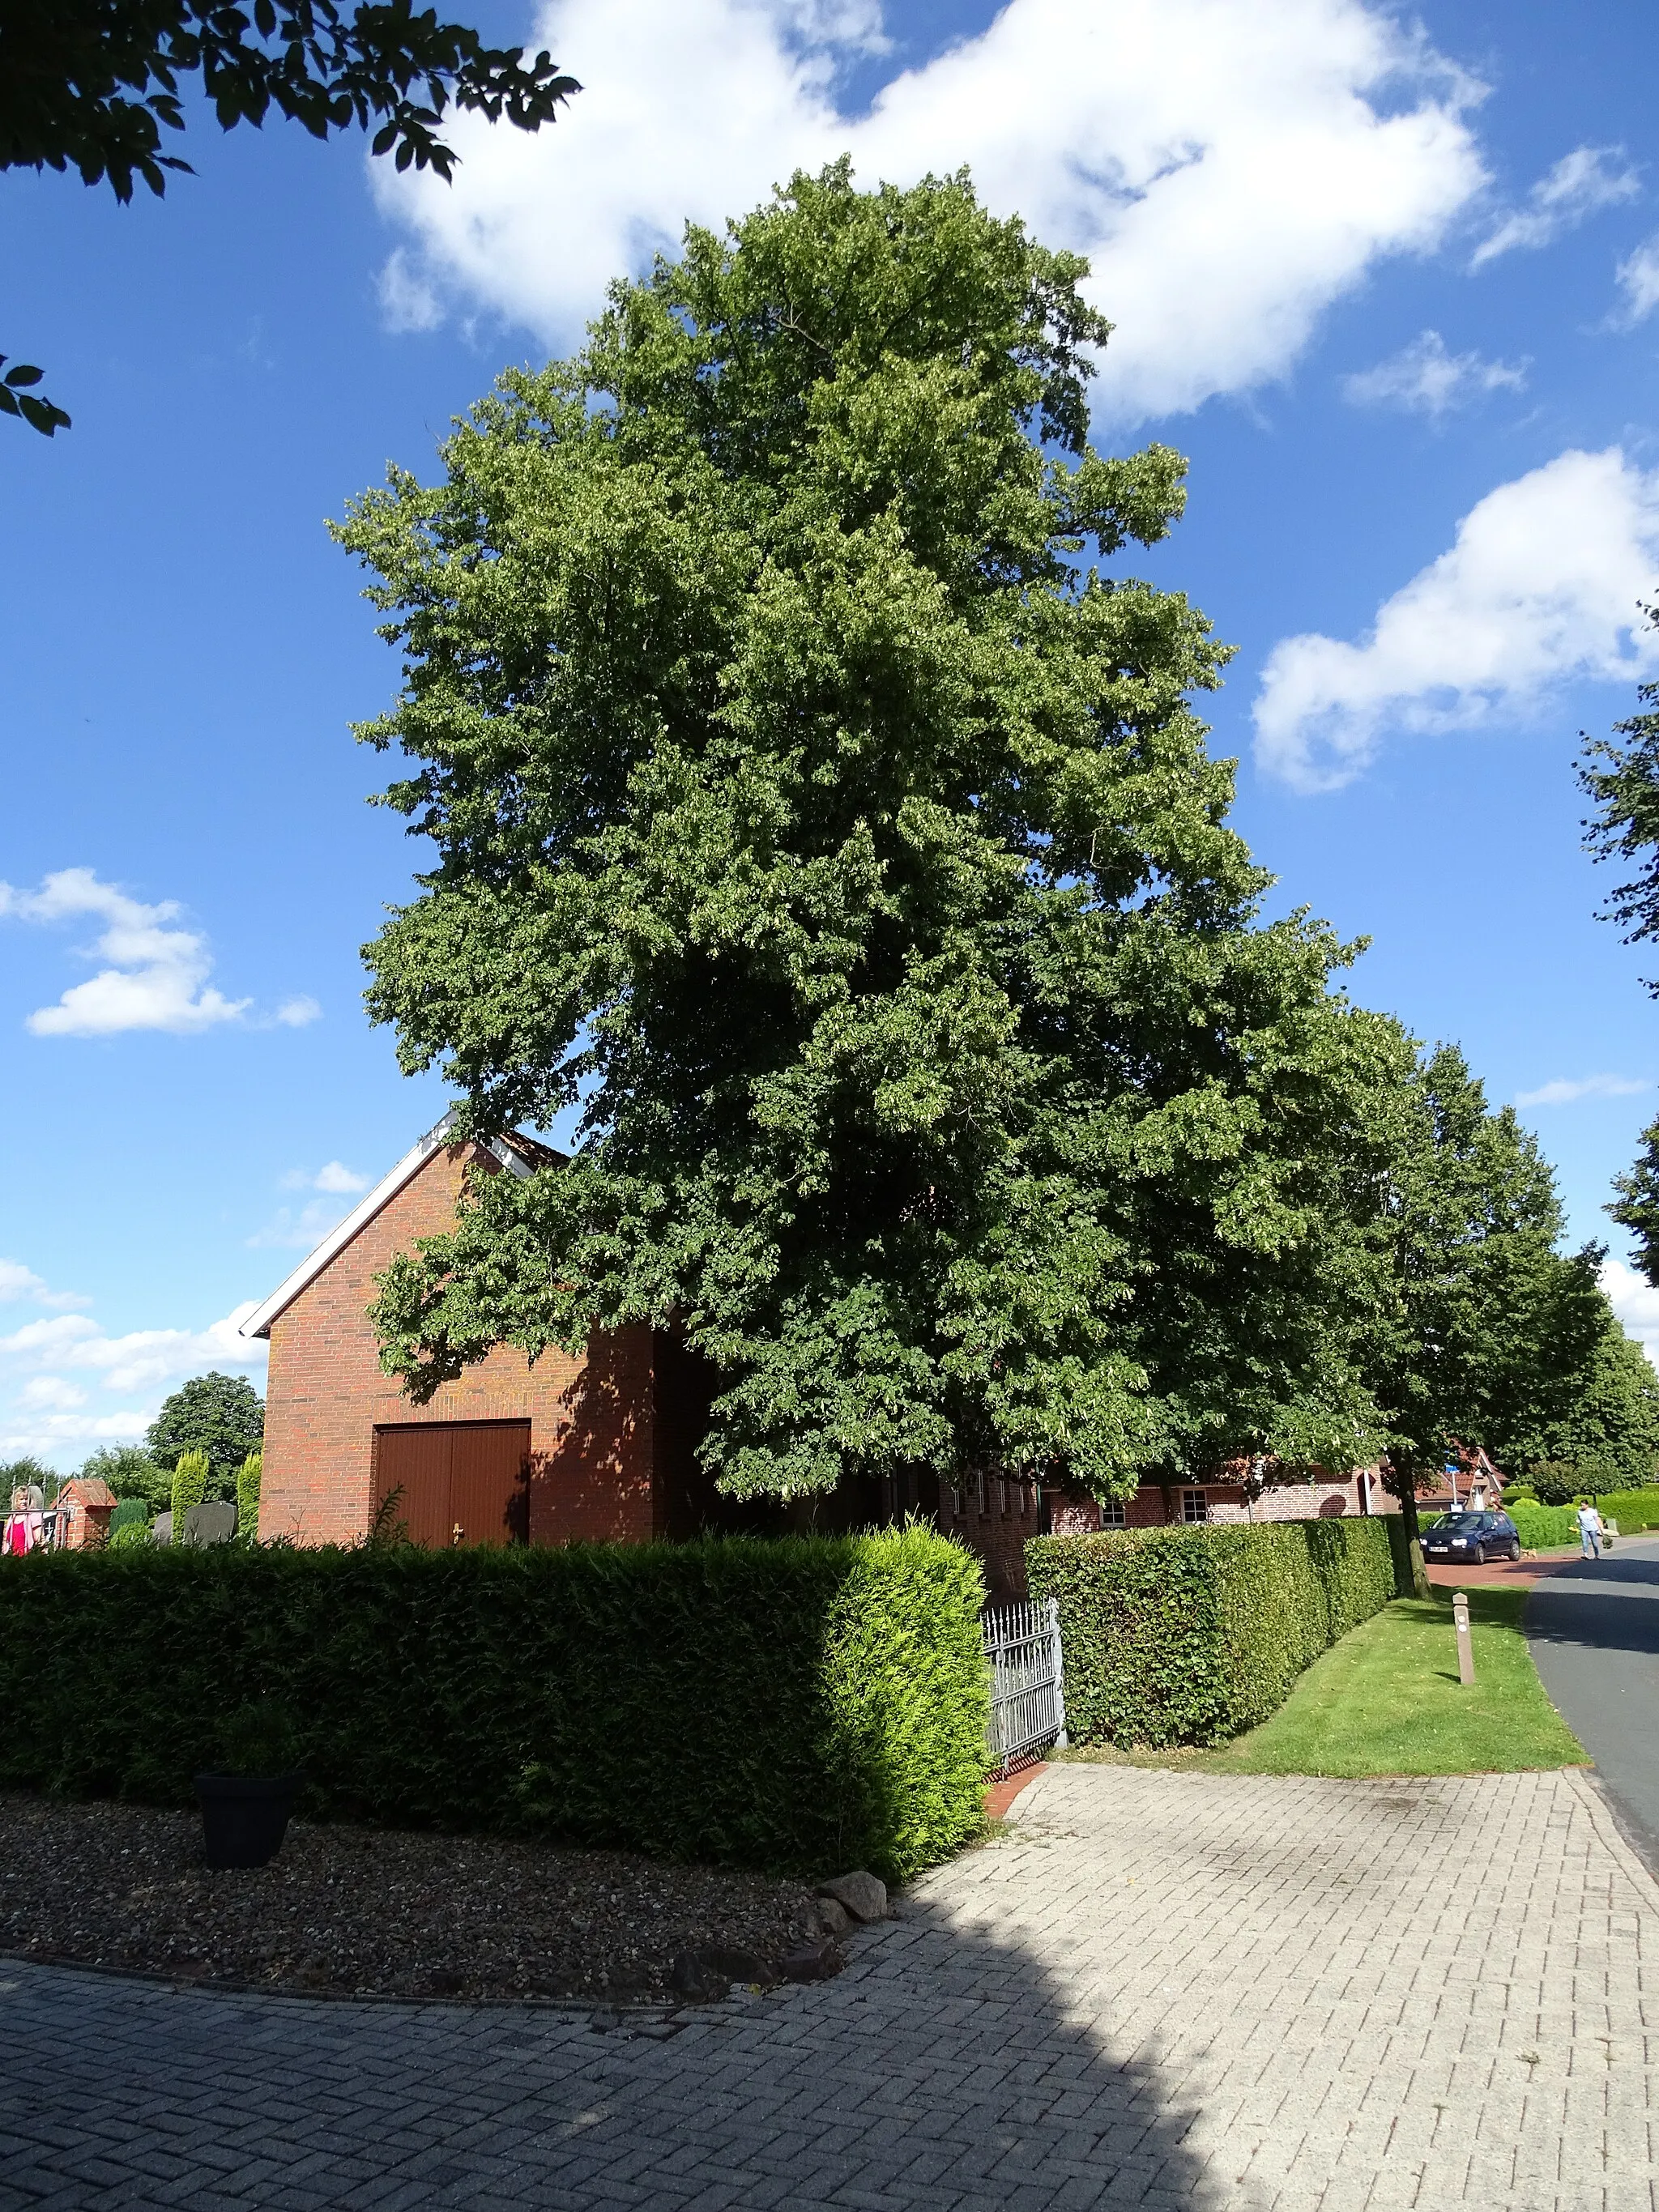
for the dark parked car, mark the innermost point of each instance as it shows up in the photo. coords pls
(1472, 1537)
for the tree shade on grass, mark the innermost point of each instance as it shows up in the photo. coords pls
(1387, 1700)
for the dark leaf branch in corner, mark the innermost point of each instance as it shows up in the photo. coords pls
(91, 84)
(45, 416)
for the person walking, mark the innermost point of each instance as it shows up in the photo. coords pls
(1590, 1530)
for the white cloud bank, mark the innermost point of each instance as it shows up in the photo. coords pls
(1588, 178)
(51, 1370)
(19, 1282)
(1229, 171)
(1567, 1091)
(1426, 379)
(157, 973)
(1543, 586)
(1636, 1303)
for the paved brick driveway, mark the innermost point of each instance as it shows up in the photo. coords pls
(1167, 1990)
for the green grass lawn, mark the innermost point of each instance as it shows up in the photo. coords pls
(1387, 1700)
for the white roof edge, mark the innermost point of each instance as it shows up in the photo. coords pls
(259, 1320)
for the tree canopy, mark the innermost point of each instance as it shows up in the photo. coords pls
(94, 84)
(221, 1415)
(819, 809)
(1623, 780)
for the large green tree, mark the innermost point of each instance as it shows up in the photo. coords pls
(812, 806)
(94, 85)
(221, 1415)
(1622, 779)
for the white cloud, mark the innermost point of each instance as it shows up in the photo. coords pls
(1636, 1303)
(60, 1433)
(52, 1371)
(297, 1229)
(1638, 280)
(1567, 1091)
(1542, 585)
(17, 1281)
(336, 1176)
(301, 1228)
(157, 978)
(408, 301)
(144, 1359)
(1427, 380)
(1589, 177)
(51, 1392)
(1229, 171)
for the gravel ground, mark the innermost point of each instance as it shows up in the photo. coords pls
(368, 1912)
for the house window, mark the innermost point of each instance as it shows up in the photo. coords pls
(1195, 1505)
(1002, 1496)
(955, 1501)
(1113, 1515)
(979, 1493)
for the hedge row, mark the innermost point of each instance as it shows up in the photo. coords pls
(1192, 1635)
(807, 1705)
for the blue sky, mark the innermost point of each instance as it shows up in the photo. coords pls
(1392, 282)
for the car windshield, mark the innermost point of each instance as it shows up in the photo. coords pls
(1459, 1524)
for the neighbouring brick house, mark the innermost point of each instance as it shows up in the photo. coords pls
(598, 1446)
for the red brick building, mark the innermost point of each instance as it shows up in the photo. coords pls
(600, 1446)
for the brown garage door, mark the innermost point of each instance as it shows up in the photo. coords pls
(460, 1482)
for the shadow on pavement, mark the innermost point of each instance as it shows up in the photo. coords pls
(943, 2066)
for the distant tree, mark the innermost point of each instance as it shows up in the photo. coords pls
(132, 1472)
(1606, 1425)
(221, 1415)
(92, 84)
(1623, 780)
(1493, 1331)
(20, 1473)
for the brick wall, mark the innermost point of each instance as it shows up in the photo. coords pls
(592, 1419)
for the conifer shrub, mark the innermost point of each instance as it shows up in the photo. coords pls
(1191, 1635)
(247, 1497)
(190, 1482)
(805, 1705)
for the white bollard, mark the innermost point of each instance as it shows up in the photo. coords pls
(1465, 1647)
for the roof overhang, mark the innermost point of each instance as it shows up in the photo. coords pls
(437, 1139)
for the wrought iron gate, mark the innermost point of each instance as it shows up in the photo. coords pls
(1028, 1690)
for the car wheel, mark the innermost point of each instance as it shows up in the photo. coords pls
(1477, 1556)
(1515, 1549)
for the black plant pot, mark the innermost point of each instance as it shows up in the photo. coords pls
(245, 1816)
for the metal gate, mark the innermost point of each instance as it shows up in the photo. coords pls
(1028, 1689)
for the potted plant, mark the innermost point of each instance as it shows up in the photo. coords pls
(247, 1796)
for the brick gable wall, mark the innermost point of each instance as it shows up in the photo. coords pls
(592, 1419)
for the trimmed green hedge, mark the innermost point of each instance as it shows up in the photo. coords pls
(1633, 1510)
(806, 1704)
(1541, 1527)
(1192, 1635)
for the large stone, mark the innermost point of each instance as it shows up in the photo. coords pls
(813, 1962)
(833, 1919)
(693, 1978)
(862, 1894)
(737, 1964)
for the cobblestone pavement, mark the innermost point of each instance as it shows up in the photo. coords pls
(1163, 1990)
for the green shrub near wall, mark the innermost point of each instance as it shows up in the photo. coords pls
(810, 1704)
(1192, 1635)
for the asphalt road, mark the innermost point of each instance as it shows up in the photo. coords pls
(1594, 1630)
